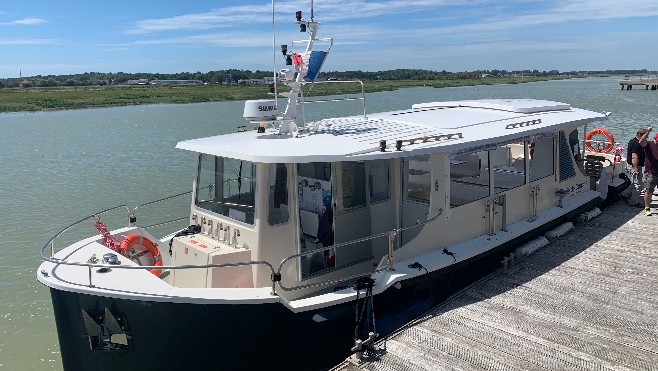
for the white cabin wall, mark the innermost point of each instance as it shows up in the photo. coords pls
(275, 242)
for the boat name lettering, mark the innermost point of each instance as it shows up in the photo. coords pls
(575, 189)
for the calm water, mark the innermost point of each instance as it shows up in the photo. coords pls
(58, 167)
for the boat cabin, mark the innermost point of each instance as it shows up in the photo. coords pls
(325, 201)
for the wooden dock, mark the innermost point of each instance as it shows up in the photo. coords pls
(648, 83)
(586, 301)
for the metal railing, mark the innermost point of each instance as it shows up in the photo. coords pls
(362, 98)
(133, 217)
(51, 242)
(388, 266)
(275, 275)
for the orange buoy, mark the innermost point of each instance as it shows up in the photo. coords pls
(136, 239)
(609, 140)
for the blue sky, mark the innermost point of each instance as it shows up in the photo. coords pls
(41, 37)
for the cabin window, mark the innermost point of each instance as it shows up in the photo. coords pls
(508, 163)
(278, 194)
(314, 187)
(315, 170)
(469, 178)
(574, 144)
(419, 179)
(226, 186)
(353, 179)
(379, 180)
(542, 158)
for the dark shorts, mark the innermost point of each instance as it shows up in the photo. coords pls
(650, 182)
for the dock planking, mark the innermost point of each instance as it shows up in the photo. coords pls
(586, 301)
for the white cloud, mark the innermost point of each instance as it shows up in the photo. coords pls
(6, 41)
(24, 22)
(261, 14)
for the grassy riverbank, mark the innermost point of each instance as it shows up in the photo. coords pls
(60, 98)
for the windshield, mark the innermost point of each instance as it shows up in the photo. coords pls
(226, 186)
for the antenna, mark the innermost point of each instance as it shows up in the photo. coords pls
(276, 96)
(311, 10)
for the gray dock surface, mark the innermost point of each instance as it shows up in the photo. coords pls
(586, 301)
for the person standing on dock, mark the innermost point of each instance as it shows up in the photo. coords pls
(650, 169)
(635, 163)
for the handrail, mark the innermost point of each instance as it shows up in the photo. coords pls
(133, 216)
(132, 219)
(134, 212)
(389, 265)
(275, 274)
(92, 264)
(363, 93)
(165, 223)
(52, 239)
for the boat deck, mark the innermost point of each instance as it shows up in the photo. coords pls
(586, 301)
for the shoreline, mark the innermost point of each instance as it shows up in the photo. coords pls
(37, 99)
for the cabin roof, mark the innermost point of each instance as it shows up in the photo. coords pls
(424, 128)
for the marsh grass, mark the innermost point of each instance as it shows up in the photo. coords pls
(62, 98)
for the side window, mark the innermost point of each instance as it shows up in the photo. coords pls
(314, 186)
(278, 194)
(542, 163)
(469, 178)
(206, 183)
(315, 170)
(508, 163)
(353, 184)
(419, 179)
(379, 180)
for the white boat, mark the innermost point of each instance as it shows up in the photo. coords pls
(308, 240)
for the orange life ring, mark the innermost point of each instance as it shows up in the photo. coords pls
(609, 140)
(136, 239)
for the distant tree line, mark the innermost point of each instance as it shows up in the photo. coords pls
(233, 75)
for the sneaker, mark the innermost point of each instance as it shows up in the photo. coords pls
(647, 211)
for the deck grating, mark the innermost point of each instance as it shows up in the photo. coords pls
(587, 301)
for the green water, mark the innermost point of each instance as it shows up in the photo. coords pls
(58, 167)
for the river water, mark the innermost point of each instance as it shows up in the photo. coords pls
(59, 167)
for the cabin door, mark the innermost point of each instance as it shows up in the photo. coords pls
(314, 195)
(352, 217)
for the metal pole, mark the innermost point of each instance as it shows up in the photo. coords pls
(90, 283)
(391, 242)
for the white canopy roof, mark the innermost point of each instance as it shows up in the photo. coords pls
(425, 128)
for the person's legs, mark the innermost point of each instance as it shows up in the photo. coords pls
(650, 181)
(633, 193)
